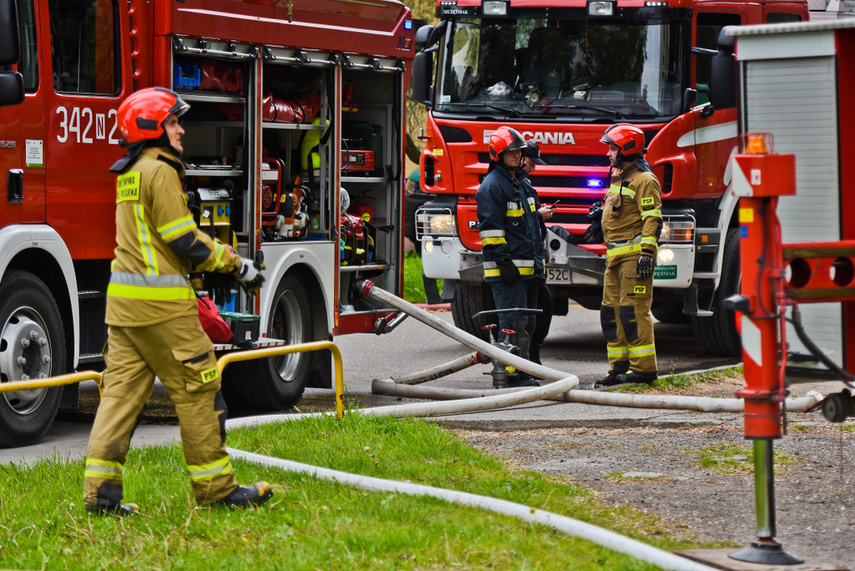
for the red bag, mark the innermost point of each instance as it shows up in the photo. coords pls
(214, 325)
(220, 76)
(275, 109)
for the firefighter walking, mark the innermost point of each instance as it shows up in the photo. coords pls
(152, 314)
(631, 221)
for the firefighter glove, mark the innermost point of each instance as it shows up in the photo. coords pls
(219, 287)
(595, 213)
(644, 266)
(508, 272)
(249, 275)
(594, 233)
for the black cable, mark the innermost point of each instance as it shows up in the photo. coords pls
(796, 320)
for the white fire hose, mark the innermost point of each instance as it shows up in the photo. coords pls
(397, 387)
(462, 400)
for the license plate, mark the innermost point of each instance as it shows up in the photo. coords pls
(557, 275)
(665, 273)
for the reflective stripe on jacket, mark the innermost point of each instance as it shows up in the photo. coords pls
(508, 224)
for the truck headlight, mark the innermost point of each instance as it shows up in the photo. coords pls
(437, 224)
(677, 231)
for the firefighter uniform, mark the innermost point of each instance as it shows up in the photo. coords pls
(632, 219)
(510, 230)
(154, 330)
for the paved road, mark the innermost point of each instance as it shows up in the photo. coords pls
(575, 345)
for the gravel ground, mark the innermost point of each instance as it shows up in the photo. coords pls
(659, 471)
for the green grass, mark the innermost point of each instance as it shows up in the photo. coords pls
(313, 524)
(682, 380)
(414, 289)
(731, 458)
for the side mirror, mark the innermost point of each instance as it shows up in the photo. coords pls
(689, 97)
(11, 88)
(422, 76)
(10, 43)
(723, 73)
(422, 36)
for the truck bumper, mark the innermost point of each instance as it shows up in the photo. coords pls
(441, 258)
(675, 265)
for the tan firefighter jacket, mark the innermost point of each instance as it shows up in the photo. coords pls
(157, 242)
(632, 214)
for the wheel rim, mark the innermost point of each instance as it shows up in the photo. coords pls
(25, 354)
(287, 325)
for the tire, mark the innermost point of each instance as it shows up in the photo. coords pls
(718, 334)
(32, 345)
(669, 313)
(275, 383)
(469, 299)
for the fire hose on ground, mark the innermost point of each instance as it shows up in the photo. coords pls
(468, 401)
(402, 386)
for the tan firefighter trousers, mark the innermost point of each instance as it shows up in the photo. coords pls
(625, 318)
(180, 354)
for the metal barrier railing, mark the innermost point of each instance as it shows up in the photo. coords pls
(222, 362)
(298, 348)
(51, 382)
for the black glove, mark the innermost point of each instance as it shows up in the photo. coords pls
(508, 272)
(249, 275)
(219, 287)
(594, 233)
(644, 266)
(595, 213)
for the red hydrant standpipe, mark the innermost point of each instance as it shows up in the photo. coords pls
(759, 178)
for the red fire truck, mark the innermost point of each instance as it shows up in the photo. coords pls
(291, 104)
(560, 72)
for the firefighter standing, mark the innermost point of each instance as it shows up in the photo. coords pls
(544, 297)
(631, 222)
(152, 314)
(510, 236)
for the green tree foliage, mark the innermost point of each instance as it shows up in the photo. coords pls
(424, 11)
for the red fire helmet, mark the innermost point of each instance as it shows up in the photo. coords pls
(628, 138)
(505, 139)
(141, 115)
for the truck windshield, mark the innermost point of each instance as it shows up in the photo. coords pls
(568, 68)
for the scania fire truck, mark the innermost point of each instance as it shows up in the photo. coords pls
(560, 72)
(295, 107)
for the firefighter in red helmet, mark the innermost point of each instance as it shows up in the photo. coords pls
(512, 246)
(631, 222)
(152, 314)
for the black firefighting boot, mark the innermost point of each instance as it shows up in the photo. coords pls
(522, 380)
(110, 501)
(534, 352)
(609, 380)
(636, 377)
(242, 496)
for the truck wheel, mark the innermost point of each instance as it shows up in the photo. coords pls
(669, 313)
(718, 334)
(469, 299)
(275, 383)
(32, 346)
